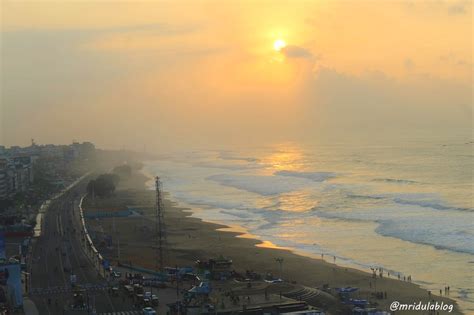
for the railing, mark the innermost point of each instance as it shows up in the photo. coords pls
(88, 245)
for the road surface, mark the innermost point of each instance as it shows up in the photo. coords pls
(57, 254)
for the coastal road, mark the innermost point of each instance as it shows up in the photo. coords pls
(57, 254)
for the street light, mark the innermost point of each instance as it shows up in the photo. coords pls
(279, 260)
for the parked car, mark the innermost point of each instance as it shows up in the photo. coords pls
(146, 302)
(148, 311)
(129, 289)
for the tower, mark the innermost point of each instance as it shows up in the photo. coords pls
(159, 225)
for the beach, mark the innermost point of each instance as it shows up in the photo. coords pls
(190, 239)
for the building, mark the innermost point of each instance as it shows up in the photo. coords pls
(17, 164)
(3, 185)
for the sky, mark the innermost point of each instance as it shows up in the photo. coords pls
(177, 74)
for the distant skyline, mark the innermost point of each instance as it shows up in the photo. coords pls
(192, 74)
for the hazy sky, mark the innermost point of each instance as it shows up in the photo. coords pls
(206, 73)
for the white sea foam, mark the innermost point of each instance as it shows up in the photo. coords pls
(415, 221)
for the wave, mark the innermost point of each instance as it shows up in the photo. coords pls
(453, 232)
(314, 176)
(374, 197)
(229, 166)
(414, 199)
(437, 205)
(431, 232)
(230, 156)
(395, 181)
(259, 184)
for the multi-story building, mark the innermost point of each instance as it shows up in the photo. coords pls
(3, 185)
(4, 179)
(17, 163)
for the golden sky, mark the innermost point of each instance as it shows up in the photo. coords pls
(207, 71)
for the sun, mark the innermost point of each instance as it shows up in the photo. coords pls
(279, 44)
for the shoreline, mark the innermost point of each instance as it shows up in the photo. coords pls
(267, 245)
(191, 238)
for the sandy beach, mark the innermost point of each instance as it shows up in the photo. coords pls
(189, 239)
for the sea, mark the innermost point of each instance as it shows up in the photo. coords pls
(407, 208)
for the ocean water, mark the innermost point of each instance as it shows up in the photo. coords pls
(407, 208)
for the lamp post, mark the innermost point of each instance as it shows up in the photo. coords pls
(279, 260)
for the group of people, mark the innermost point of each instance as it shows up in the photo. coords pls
(446, 291)
(380, 272)
(405, 278)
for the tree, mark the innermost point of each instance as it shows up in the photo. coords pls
(103, 185)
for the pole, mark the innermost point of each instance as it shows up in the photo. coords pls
(118, 246)
(280, 262)
(159, 224)
(88, 306)
(177, 290)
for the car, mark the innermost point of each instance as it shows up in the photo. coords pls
(154, 300)
(148, 311)
(147, 294)
(129, 289)
(137, 288)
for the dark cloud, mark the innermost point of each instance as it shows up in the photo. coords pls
(292, 51)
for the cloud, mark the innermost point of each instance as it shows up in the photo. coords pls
(450, 7)
(293, 51)
(458, 8)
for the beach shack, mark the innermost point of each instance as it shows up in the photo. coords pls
(221, 268)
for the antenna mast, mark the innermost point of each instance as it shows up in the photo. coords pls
(159, 225)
